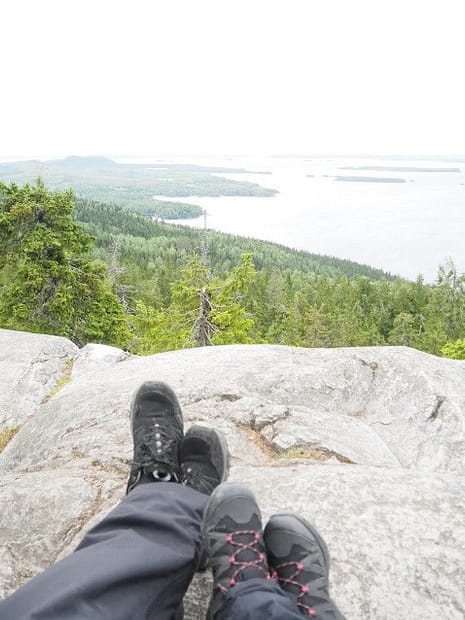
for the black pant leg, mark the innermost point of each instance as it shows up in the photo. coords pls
(135, 564)
(257, 599)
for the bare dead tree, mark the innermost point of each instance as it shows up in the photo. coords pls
(116, 269)
(203, 329)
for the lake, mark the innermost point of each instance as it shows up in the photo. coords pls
(406, 228)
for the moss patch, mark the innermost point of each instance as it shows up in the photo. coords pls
(302, 452)
(6, 436)
(312, 453)
(62, 381)
(308, 452)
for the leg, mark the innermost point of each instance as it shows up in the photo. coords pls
(137, 563)
(256, 599)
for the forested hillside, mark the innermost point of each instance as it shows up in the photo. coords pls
(141, 239)
(99, 273)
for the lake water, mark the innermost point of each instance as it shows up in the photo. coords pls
(404, 228)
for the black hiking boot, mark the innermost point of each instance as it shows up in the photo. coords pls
(204, 465)
(157, 431)
(299, 558)
(232, 530)
(204, 459)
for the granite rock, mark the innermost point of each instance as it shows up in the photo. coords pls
(367, 443)
(31, 365)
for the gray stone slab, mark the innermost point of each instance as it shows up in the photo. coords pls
(392, 511)
(31, 365)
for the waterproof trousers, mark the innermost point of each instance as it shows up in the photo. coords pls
(136, 564)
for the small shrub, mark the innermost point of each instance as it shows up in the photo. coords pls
(455, 350)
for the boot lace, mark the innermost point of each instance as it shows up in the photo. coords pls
(158, 447)
(240, 546)
(292, 580)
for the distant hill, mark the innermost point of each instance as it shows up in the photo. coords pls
(91, 162)
(133, 186)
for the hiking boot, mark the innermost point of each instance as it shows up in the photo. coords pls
(299, 559)
(204, 459)
(157, 431)
(204, 465)
(232, 530)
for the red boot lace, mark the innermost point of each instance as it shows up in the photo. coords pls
(292, 581)
(239, 546)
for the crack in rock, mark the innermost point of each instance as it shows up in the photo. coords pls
(229, 397)
(222, 397)
(373, 366)
(439, 402)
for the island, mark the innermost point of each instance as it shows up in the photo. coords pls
(356, 179)
(399, 169)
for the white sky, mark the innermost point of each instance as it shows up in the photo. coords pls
(236, 76)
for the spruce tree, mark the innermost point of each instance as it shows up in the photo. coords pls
(48, 281)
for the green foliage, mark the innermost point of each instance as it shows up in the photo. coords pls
(403, 330)
(48, 282)
(177, 325)
(229, 315)
(157, 330)
(454, 350)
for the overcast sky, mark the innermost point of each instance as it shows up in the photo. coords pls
(232, 77)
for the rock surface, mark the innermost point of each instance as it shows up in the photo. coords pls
(368, 443)
(31, 365)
